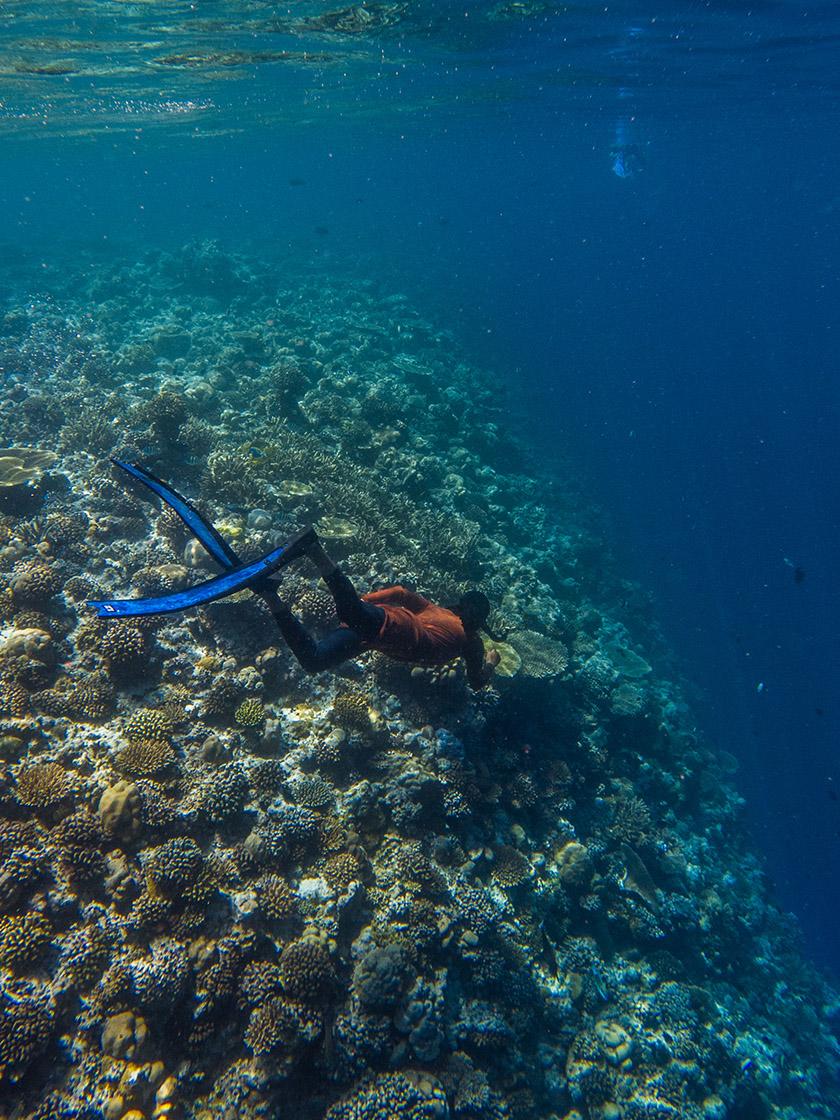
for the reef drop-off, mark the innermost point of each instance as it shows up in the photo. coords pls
(230, 890)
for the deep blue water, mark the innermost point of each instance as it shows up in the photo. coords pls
(674, 333)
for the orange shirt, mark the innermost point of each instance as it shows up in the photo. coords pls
(415, 629)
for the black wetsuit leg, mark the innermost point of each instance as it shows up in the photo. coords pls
(362, 622)
(365, 618)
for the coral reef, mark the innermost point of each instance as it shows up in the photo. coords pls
(228, 889)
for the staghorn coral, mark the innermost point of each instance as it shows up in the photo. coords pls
(631, 821)
(232, 476)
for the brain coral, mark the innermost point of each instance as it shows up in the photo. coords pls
(120, 811)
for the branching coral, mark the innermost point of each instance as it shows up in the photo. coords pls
(307, 970)
(25, 1028)
(146, 757)
(23, 939)
(43, 785)
(277, 900)
(250, 713)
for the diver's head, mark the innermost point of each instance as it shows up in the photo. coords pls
(473, 609)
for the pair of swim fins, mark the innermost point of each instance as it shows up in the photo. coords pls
(235, 576)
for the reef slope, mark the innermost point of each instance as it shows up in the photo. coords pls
(228, 890)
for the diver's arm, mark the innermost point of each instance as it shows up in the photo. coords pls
(397, 596)
(480, 667)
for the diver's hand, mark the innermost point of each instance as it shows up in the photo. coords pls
(492, 659)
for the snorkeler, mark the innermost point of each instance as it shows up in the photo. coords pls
(394, 621)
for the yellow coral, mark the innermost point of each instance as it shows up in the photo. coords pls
(250, 713)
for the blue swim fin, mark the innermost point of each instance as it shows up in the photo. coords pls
(208, 534)
(234, 579)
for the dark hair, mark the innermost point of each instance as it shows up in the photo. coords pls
(473, 609)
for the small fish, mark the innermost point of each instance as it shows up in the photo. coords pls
(296, 182)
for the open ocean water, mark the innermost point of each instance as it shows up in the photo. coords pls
(536, 297)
